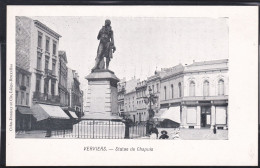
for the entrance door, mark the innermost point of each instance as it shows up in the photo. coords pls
(205, 116)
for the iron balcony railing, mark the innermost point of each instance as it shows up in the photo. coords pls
(42, 97)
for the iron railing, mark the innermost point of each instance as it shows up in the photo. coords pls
(102, 129)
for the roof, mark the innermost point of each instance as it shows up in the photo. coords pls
(24, 110)
(63, 54)
(46, 28)
(208, 62)
(44, 111)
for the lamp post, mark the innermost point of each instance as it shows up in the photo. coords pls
(151, 98)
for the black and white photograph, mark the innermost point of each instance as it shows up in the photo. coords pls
(127, 81)
(122, 77)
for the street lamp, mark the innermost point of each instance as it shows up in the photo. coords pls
(151, 98)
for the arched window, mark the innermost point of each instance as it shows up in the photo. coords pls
(165, 95)
(192, 88)
(172, 91)
(179, 85)
(220, 87)
(206, 88)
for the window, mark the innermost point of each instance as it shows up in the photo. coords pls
(27, 99)
(165, 95)
(39, 40)
(22, 98)
(206, 88)
(38, 83)
(47, 45)
(46, 86)
(22, 80)
(17, 79)
(53, 66)
(54, 48)
(52, 87)
(179, 85)
(172, 91)
(16, 97)
(192, 88)
(27, 81)
(157, 87)
(153, 88)
(46, 63)
(39, 61)
(220, 87)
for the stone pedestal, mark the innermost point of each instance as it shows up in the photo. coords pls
(102, 96)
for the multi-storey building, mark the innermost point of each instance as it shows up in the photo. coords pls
(23, 76)
(201, 92)
(141, 106)
(63, 77)
(130, 99)
(75, 94)
(36, 48)
(205, 101)
(154, 83)
(120, 96)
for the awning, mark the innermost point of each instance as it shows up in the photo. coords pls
(24, 110)
(173, 113)
(43, 111)
(73, 114)
(160, 112)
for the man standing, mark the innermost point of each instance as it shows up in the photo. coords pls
(106, 46)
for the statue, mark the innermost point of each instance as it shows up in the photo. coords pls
(106, 46)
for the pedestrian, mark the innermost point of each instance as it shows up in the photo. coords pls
(214, 129)
(154, 132)
(164, 135)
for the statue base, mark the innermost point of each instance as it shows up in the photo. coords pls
(102, 95)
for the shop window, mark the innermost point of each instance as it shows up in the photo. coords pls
(27, 99)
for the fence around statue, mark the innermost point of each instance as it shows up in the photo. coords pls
(101, 129)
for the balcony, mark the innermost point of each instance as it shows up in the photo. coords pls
(45, 98)
(49, 73)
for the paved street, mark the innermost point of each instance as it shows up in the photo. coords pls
(185, 134)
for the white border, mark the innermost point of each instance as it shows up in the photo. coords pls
(240, 149)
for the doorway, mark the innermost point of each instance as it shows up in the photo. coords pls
(205, 116)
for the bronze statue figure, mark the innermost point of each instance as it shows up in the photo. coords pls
(106, 46)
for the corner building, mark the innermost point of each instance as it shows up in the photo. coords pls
(201, 91)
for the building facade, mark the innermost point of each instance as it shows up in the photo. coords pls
(201, 92)
(75, 93)
(120, 96)
(141, 106)
(37, 74)
(63, 78)
(154, 83)
(205, 101)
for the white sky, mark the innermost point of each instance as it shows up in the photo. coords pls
(142, 43)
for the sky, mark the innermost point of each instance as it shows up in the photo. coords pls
(143, 44)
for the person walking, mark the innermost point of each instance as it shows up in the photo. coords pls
(154, 132)
(214, 129)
